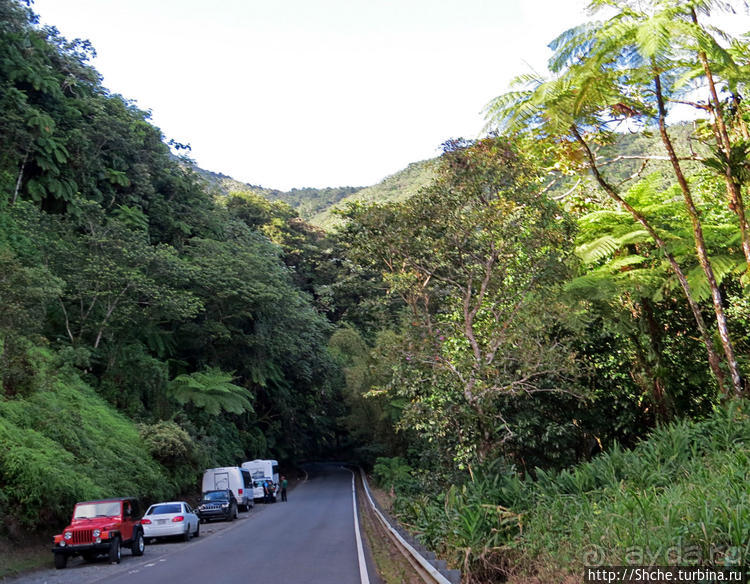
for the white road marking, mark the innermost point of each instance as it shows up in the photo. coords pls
(364, 578)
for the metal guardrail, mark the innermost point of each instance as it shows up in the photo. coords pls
(429, 568)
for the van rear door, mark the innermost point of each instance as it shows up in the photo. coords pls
(221, 481)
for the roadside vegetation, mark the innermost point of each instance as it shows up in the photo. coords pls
(539, 341)
(148, 329)
(677, 498)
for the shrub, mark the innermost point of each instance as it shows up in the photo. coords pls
(64, 443)
(679, 497)
(395, 474)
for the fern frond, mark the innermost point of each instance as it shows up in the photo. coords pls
(570, 46)
(596, 250)
(211, 390)
(637, 236)
(591, 286)
(625, 262)
(723, 266)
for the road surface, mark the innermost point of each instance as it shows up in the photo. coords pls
(310, 539)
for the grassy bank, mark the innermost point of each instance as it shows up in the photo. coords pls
(678, 498)
(63, 443)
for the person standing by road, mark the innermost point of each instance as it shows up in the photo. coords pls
(284, 484)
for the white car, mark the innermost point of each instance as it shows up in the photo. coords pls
(173, 519)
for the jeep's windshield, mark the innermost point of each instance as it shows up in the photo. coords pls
(91, 510)
(215, 496)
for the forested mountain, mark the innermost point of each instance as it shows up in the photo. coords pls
(305, 201)
(538, 341)
(318, 206)
(147, 330)
(396, 187)
(322, 207)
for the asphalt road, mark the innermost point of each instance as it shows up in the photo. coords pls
(310, 539)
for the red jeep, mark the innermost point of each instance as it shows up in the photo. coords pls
(100, 527)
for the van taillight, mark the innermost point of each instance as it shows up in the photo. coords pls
(178, 519)
(239, 491)
(145, 522)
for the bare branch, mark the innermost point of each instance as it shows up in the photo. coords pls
(67, 321)
(700, 106)
(635, 175)
(566, 193)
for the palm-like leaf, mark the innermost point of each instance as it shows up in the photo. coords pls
(211, 390)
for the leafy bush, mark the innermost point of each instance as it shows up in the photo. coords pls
(174, 448)
(679, 497)
(395, 474)
(63, 444)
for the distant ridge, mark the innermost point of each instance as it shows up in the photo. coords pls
(396, 187)
(317, 205)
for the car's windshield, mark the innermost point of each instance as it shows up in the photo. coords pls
(90, 510)
(163, 509)
(215, 496)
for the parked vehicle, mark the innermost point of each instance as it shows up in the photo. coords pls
(220, 504)
(262, 470)
(231, 477)
(172, 519)
(100, 527)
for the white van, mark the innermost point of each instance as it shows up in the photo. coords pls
(261, 470)
(231, 477)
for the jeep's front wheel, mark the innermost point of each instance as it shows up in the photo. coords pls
(138, 545)
(114, 551)
(61, 560)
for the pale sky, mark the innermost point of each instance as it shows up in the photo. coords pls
(313, 93)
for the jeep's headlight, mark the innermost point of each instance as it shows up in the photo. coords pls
(225, 504)
(68, 535)
(97, 532)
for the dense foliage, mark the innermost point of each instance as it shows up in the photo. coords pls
(569, 299)
(136, 309)
(538, 341)
(677, 499)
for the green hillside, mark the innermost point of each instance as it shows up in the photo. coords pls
(222, 185)
(317, 205)
(396, 187)
(539, 341)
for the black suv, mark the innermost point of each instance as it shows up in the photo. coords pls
(217, 505)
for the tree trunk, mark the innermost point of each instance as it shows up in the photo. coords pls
(700, 244)
(20, 178)
(713, 357)
(661, 402)
(734, 191)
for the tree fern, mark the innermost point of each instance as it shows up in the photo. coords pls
(211, 390)
(598, 249)
(723, 267)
